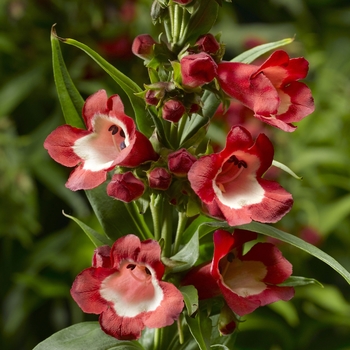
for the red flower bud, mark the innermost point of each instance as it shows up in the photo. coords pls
(142, 46)
(197, 69)
(173, 110)
(159, 179)
(125, 187)
(180, 162)
(208, 44)
(151, 97)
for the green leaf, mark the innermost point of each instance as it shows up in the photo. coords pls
(299, 243)
(70, 99)
(143, 119)
(190, 295)
(286, 169)
(297, 281)
(96, 238)
(117, 218)
(188, 255)
(250, 55)
(86, 335)
(200, 327)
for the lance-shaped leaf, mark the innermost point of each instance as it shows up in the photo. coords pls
(143, 119)
(250, 55)
(299, 243)
(85, 335)
(96, 238)
(70, 98)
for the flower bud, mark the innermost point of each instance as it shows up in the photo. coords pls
(180, 162)
(142, 46)
(197, 69)
(208, 44)
(227, 322)
(173, 110)
(159, 179)
(151, 97)
(125, 187)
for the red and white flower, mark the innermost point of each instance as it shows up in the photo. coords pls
(230, 183)
(270, 90)
(111, 139)
(246, 281)
(124, 286)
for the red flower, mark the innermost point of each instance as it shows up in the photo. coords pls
(271, 90)
(197, 69)
(230, 185)
(124, 286)
(125, 187)
(245, 281)
(111, 139)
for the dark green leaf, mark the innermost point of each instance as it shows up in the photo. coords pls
(299, 243)
(297, 281)
(71, 101)
(83, 336)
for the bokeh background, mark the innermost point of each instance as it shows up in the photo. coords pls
(41, 251)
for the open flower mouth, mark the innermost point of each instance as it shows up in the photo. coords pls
(236, 184)
(132, 290)
(244, 278)
(100, 148)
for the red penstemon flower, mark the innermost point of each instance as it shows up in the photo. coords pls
(230, 182)
(246, 281)
(111, 139)
(270, 90)
(124, 286)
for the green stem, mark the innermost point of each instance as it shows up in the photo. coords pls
(182, 221)
(167, 228)
(139, 221)
(176, 24)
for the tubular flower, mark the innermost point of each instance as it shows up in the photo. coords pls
(245, 281)
(124, 286)
(230, 182)
(111, 139)
(271, 90)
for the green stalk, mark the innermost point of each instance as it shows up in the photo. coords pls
(139, 220)
(182, 221)
(167, 226)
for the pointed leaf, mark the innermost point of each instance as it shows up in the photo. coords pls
(297, 281)
(299, 243)
(188, 255)
(96, 238)
(86, 335)
(250, 55)
(70, 99)
(286, 169)
(143, 119)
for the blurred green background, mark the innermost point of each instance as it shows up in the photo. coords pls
(41, 251)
